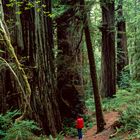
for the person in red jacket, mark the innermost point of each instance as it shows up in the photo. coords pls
(79, 126)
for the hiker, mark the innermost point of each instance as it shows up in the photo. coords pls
(79, 126)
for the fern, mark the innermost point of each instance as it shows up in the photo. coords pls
(13, 130)
(6, 121)
(130, 117)
(21, 130)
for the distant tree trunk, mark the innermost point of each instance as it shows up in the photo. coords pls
(97, 99)
(69, 72)
(108, 68)
(122, 53)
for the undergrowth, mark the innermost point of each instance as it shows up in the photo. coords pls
(21, 130)
(130, 115)
(9, 129)
(127, 103)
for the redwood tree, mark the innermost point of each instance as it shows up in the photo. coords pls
(69, 71)
(122, 54)
(108, 67)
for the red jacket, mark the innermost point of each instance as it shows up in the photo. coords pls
(79, 123)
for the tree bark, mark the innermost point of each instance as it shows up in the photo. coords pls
(69, 72)
(122, 53)
(108, 66)
(44, 100)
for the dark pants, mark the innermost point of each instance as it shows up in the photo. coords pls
(80, 133)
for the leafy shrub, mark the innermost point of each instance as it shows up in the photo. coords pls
(21, 130)
(90, 104)
(120, 102)
(6, 121)
(130, 120)
(69, 127)
(13, 130)
(135, 87)
(70, 131)
(121, 99)
(124, 79)
(88, 122)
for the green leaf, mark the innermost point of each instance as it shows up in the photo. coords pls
(18, 12)
(43, 5)
(38, 9)
(10, 4)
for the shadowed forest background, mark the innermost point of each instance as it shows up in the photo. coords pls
(64, 58)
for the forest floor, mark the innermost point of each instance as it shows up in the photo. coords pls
(111, 118)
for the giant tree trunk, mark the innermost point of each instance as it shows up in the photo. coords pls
(69, 72)
(122, 53)
(44, 100)
(38, 45)
(108, 75)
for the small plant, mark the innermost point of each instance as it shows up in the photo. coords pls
(70, 131)
(124, 79)
(60, 136)
(90, 104)
(88, 122)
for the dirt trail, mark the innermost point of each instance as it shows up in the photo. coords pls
(110, 119)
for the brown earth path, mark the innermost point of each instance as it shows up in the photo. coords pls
(110, 118)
